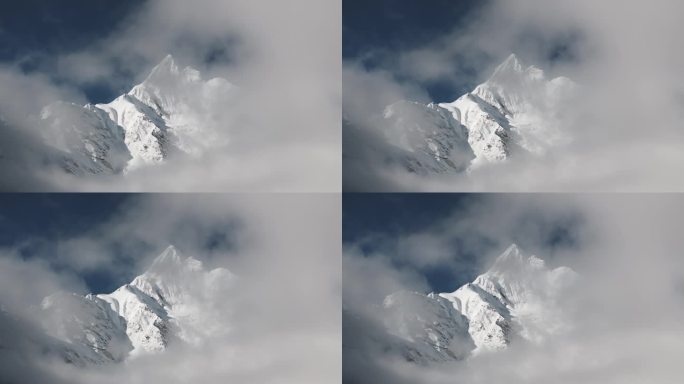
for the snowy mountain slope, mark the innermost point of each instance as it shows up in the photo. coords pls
(171, 300)
(173, 111)
(429, 326)
(518, 297)
(169, 111)
(174, 301)
(428, 138)
(88, 325)
(90, 142)
(23, 339)
(517, 110)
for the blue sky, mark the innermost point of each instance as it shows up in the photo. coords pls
(470, 37)
(53, 216)
(371, 30)
(107, 239)
(35, 223)
(399, 24)
(395, 214)
(470, 228)
(32, 27)
(34, 32)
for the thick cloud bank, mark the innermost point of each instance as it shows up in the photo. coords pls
(282, 134)
(624, 125)
(283, 316)
(625, 313)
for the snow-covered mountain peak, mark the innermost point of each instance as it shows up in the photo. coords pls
(170, 257)
(512, 254)
(169, 254)
(511, 65)
(176, 301)
(513, 70)
(513, 260)
(518, 298)
(173, 112)
(171, 261)
(165, 67)
(167, 74)
(516, 110)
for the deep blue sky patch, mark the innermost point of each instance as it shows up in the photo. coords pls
(369, 25)
(34, 32)
(373, 31)
(33, 223)
(395, 214)
(47, 27)
(374, 222)
(53, 216)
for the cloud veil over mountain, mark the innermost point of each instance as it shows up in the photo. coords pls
(553, 97)
(455, 298)
(171, 289)
(174, 96)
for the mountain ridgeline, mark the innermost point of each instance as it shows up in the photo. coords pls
(516, 112)
(176, 301)
(172, 112)
(518, 298)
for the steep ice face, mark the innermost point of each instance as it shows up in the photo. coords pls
(517, 108)
(175, 301)
(428, 137)
(431, 329)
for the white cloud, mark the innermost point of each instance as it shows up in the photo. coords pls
(286, 250)
(625, 125)
(625, 313)
(288, 134)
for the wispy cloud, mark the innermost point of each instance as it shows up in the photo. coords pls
(622, 258)
(611, 123)
(285, 313)
(287, 137)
